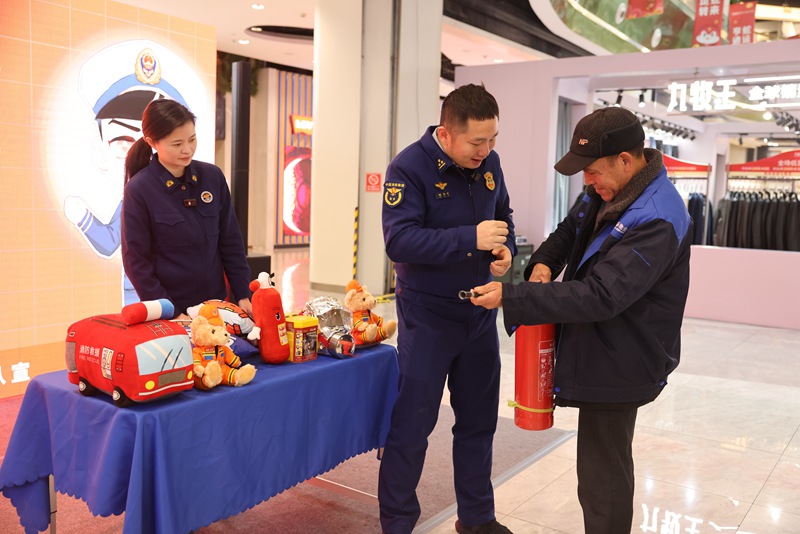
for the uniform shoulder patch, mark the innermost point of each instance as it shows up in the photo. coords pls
(393, 193)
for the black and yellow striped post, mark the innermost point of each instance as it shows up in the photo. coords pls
(355, 243)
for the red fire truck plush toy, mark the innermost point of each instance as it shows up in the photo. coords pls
(270, 328)
(137, 355)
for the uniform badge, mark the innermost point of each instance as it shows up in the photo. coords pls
(489, 181)
(148, 67)
(393, 193)
(441, 185)
(194, 178)
(206, 197)
(441, 164)
(170, 183)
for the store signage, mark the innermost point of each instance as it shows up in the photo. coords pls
(301, 124)
(741, 22)
(702, 95)
(705, 95)
(678, 166)
(787, 163)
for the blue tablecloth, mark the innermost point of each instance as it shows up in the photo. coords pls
(178, 464)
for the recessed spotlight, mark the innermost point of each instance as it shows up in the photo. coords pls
(244, 42)
(257, 7)
(497, 60)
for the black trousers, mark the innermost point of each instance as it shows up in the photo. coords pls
(605, 469)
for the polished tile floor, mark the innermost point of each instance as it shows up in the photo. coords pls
(718, 451)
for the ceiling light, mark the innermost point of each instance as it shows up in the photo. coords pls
(766, 140)
(257, 7)
(243, 42)
(767, 116)
(498, 60)
(772, 79)
(619, 98)
(641, 99)
(255, 28)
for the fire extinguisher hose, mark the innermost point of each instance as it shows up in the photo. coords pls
(513, 404)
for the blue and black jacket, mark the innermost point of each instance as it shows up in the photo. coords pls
(620, 304)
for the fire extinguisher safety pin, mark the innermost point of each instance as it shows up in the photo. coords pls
(466, 295)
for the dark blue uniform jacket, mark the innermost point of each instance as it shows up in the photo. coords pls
(431, 209)
(177, 252)
(621, 302)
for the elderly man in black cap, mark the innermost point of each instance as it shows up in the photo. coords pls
(623, 250)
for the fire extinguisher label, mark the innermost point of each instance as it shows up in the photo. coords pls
(546, 353)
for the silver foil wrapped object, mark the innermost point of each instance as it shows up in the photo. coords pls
(335, 324)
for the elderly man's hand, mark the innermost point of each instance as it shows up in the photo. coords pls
(541, 273)
(491, 295)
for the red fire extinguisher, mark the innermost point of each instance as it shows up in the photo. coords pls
(533, 396)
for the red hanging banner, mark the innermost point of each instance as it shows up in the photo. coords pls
(784, 164)
(707, 23)
(683, 168)
(644, 8)
(741, 22)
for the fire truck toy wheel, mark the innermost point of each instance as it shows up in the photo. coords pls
(120, 399)
(86, 388)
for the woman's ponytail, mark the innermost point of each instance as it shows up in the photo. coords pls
(138, 158)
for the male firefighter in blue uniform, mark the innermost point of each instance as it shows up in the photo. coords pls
(446, 224)
(624, 251)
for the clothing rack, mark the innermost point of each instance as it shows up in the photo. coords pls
(688, 176)
(787, 184)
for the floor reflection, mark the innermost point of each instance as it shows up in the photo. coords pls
(718, 451)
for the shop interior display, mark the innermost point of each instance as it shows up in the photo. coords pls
(691, 181)
(138, 355)
(214, 361)
(269, 332)
(368, 327)
(760, 208)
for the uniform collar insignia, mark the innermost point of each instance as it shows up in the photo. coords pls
(441, 185)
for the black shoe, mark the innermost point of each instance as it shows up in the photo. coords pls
(490, 527)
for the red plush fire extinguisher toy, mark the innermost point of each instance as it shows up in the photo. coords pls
(533, 395)
(270, 328)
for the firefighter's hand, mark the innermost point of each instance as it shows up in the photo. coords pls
(502, 261)
(491, 295)
(540, 273)
(491, 235)
(247, 306)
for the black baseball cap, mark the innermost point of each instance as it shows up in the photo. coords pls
(604, 132)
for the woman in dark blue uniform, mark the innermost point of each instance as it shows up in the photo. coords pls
(180, 236)
(446, 224)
